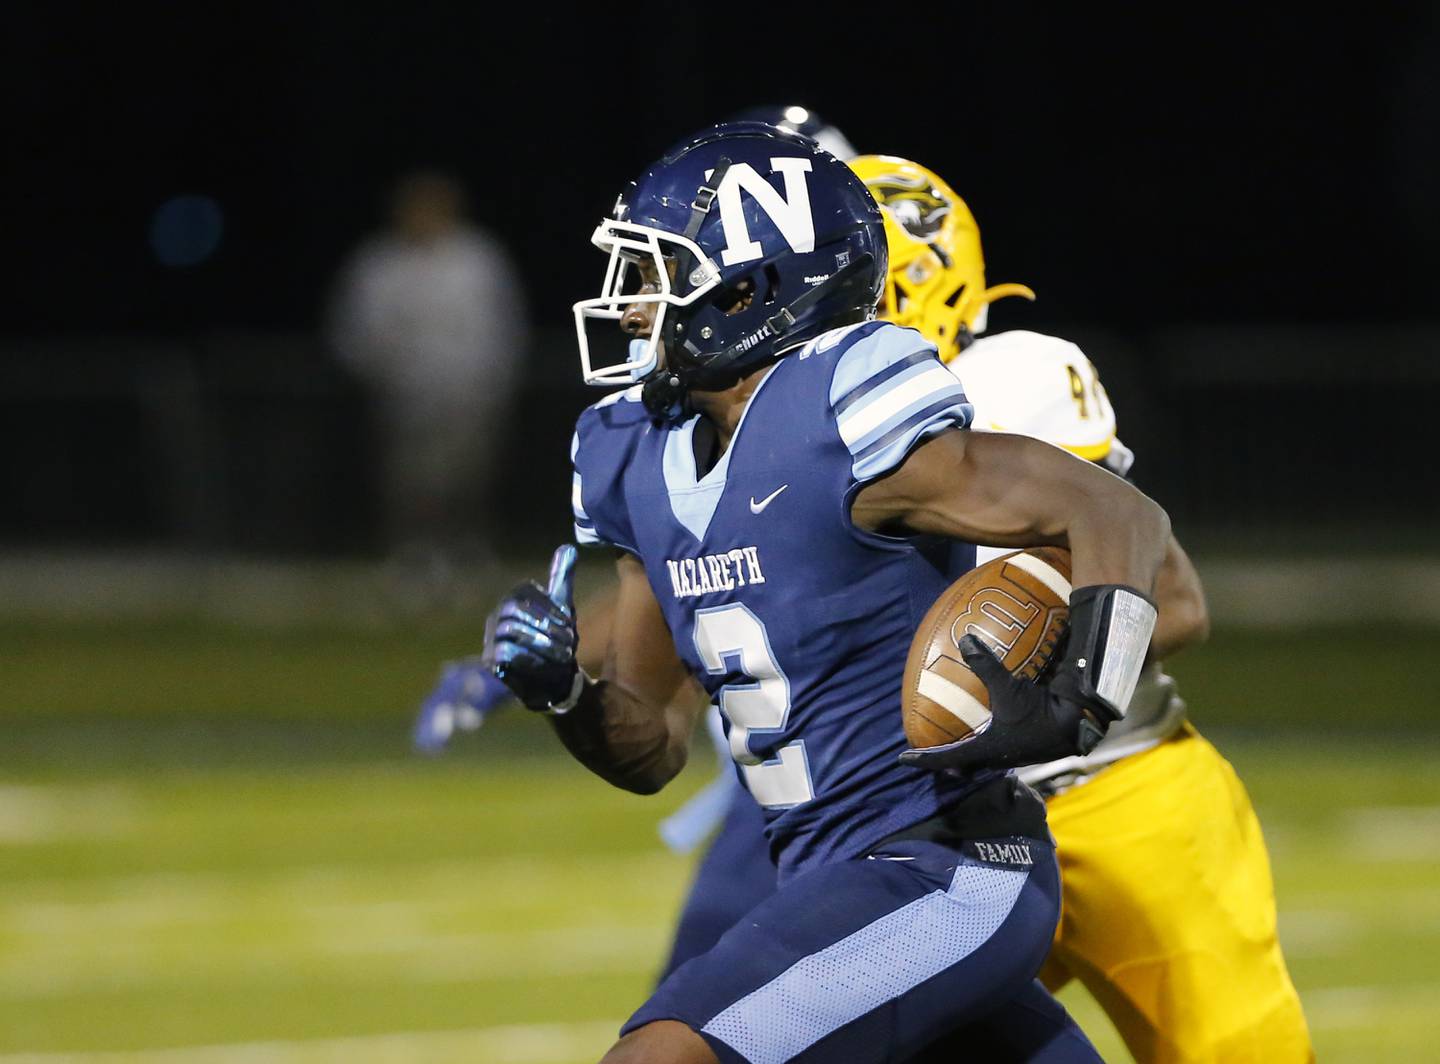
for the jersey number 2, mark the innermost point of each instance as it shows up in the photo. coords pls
(734, 632)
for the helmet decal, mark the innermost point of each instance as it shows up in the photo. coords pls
(937, 269)
(917, 205)
(790, 213)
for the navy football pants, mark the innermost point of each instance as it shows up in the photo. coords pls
(879, 958)
(733, 877)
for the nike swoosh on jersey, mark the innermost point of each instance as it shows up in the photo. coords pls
(759, 507)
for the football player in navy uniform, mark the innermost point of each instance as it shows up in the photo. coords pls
(734, 872)
(780, 483)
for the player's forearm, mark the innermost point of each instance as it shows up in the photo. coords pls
(1117, 535)
(1184, 618)
(625, 742)
(1011, 491)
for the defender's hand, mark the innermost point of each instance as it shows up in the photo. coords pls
(1030, 723)
(530, 638)
(464, 697)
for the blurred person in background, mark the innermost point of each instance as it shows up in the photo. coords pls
(427, 313)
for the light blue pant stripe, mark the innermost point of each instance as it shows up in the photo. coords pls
(864, 970)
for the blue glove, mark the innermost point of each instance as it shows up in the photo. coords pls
(467, 692)
(530, 640)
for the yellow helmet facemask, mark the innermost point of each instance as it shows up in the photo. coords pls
(937, 271)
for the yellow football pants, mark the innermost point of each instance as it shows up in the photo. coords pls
(1168, 916)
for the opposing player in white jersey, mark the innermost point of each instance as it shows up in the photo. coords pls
(1168, 912)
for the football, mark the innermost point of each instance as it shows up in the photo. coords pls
(1018, 605)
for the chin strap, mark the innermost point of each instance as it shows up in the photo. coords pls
(837, 282)
(664, 393)
(665, 397)
(786, 318)
(699, 210)
(705, 198)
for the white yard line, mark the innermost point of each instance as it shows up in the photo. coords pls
(1352, 1007)
(1319, 932)
(346, 879)
(1331, 1008)
(65, 938)
(33, 812)
(475, 957)
(1372, 903)
(537, 1043)
(1261, 591)
(1394, 832)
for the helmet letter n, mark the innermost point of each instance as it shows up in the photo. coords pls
(790, 213)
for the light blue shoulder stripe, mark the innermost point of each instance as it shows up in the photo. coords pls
(823, 992)
(895, 415)
(577, 498)
(871, 354)
(628, 395)
(892, 449)
(861, 421)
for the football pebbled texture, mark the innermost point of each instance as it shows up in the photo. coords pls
(1018, 605)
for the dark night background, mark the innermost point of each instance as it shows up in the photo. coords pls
(1237, 217)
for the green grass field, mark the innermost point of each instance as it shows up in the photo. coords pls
(215, 847)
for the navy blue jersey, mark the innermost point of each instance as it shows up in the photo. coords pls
(795, 621)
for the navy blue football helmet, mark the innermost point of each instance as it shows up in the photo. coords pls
(804, 121)
(755, 241)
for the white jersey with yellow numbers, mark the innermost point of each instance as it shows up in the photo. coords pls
(1042, 386)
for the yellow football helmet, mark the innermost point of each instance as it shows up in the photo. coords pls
(937, 270)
